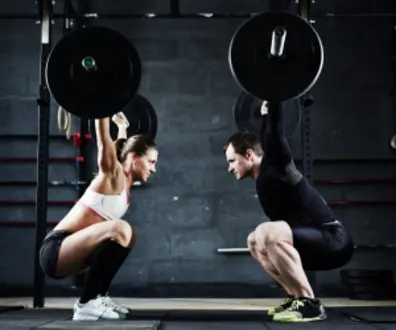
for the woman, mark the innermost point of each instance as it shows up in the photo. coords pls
(92, 237)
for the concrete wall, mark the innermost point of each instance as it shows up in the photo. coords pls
(192, 206)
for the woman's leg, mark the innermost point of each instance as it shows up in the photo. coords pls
(77, 249)
(103, 247)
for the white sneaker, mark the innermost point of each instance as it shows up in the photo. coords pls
(107, 301)
(94, 310)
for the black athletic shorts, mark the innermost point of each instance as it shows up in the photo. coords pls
(325, 247)
(49, 252)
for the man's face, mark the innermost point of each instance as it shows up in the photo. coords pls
(240, 166)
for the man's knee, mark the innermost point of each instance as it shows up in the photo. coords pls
(260, 255)
(123, 233)
(251, 243)
(270, 233)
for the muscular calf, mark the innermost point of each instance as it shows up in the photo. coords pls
(271, 244)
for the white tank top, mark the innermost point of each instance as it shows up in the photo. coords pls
(109, 207)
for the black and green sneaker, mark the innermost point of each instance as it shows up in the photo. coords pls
(302, 310)
(286, 304)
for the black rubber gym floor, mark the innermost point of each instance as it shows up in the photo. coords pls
(379, 318)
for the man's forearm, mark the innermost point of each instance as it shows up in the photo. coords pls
(273, 137)
(276, 117)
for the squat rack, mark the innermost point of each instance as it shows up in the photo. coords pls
(45, 10)
(43, 101)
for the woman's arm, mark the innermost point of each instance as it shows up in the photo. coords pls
(122, 123)
(107, 156)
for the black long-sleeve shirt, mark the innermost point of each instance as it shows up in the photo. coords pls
(283, 192)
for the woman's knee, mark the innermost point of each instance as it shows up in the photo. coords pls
(123, 233)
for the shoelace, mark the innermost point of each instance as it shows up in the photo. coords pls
(99, 303)
(296, 304)
(108, 302)
(287, 301)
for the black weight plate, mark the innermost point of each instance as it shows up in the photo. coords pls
(276, 79)
(366, 281)
(96, 93)
(373, 290)
(248, 117)
(389, 285)
(366, 273)
(372, 296)
(141, 116)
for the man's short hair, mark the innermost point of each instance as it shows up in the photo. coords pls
(244, 141)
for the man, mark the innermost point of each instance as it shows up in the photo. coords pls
(303, 233)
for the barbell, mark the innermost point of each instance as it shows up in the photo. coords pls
(95, 72)
(276, 56)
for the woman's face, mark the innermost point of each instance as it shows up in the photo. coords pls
(144, 166)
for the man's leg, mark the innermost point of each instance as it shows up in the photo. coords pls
(263, 260)
(276, 239)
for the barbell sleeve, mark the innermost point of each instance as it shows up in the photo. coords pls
(89, 64)
(238, 250)
(278, 41)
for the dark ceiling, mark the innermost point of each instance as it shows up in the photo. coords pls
(320, 8)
